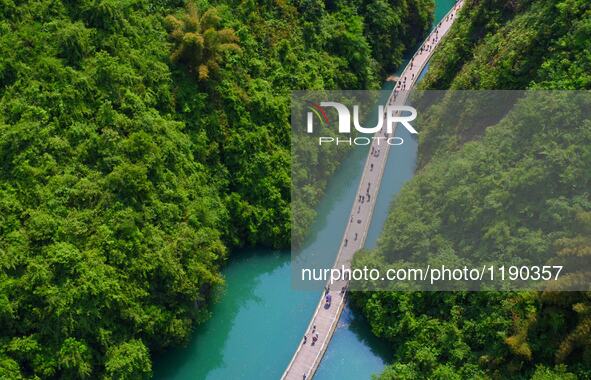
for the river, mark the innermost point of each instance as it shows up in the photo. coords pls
(258, 321)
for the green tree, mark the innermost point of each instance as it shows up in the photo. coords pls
(577, 247)
(74, 358)
(129, 360)
(199, 43)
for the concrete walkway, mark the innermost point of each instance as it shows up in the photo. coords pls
(308, 355)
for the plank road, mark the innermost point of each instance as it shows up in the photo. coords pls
(307, 357)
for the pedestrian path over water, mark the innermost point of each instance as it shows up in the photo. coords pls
(317, 336)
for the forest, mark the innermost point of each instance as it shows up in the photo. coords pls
(506, 187)
(141, 143)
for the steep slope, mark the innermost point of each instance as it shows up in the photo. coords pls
(502, 188)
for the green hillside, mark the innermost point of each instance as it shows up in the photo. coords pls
(507, 188)
(139, 142)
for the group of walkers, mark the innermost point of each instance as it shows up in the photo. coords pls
(314, 336)
(428, 46)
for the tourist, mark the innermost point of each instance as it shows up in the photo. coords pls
(346, 242)
(305, 339)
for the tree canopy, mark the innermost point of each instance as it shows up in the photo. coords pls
(504, 187)
(140, 141)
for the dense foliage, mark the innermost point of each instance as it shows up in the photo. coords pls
(507, 187)
(509, 45)
(138, 141)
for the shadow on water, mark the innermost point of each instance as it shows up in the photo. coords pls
(249, 271)
(358, 325)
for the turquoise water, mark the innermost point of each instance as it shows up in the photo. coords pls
(441, 8)
(259, 319)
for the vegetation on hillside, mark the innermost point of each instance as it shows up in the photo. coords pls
(139, 140)
(199, 43)
(505, 188)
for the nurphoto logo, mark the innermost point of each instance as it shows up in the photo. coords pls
(388, 116)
